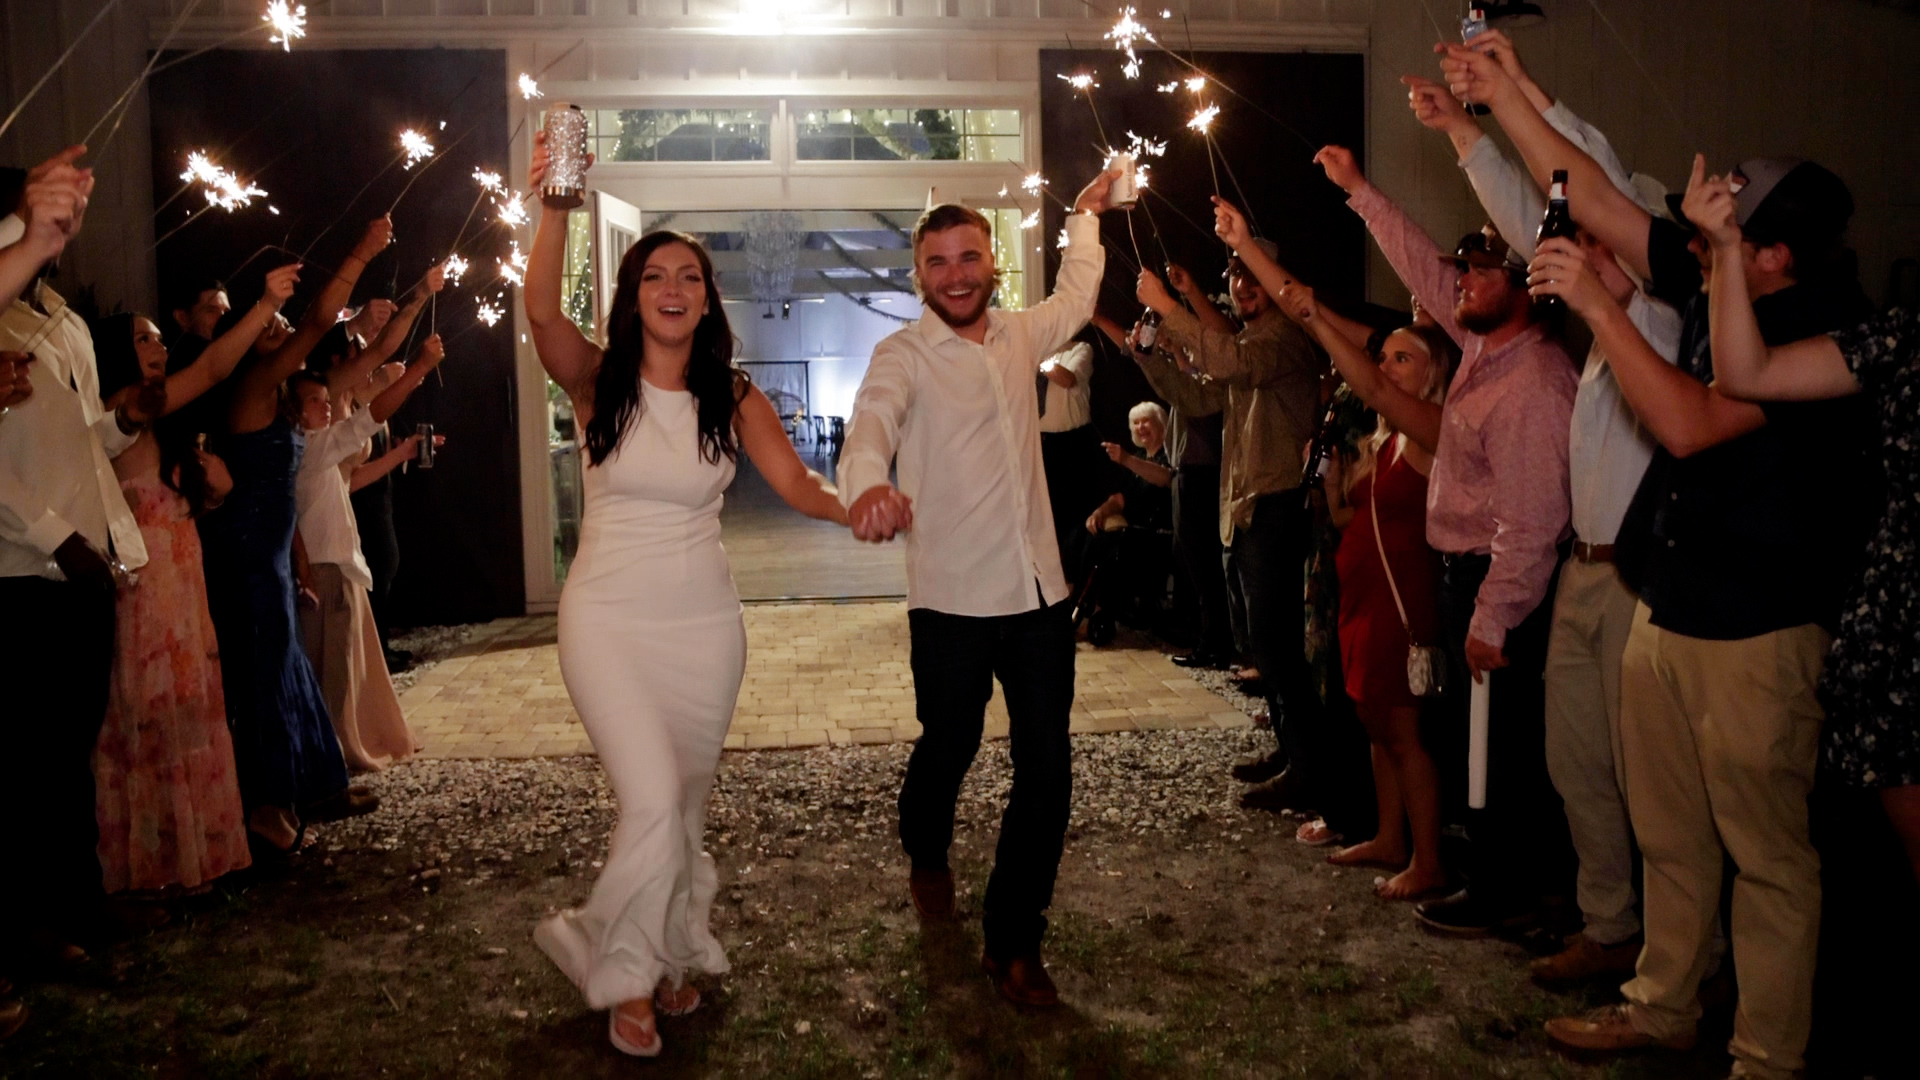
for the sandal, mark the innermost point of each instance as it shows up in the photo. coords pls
(649, 1049)
(669, 1001)
(1316, 834)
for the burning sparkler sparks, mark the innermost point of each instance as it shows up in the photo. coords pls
(1140, 147)
(1061, 240)
(223, 188)
(289, 21)
(1202, 121)
(1031, 220)
(1196, 83)
(529, 89)
(1082, 81)
(415, 146)
(1032, 183)
(1123, 35)
(489, 181)
(455, 268)
(489, 312)
(1003, 191)
(514, 266)
(1168, 87)
(513, 212)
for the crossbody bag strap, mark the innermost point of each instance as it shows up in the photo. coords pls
(1373, 505)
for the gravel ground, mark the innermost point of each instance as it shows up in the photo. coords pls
(429, 645)
(491, 812)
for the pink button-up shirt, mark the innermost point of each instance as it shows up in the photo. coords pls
(1499, 485)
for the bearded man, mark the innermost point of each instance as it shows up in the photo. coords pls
(953, 398)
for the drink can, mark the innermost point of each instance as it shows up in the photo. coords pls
(425, 431)
(566, 181)
(1473, 25)
(1125, 191)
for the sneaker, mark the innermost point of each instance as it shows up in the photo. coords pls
(1257, 768)
(1584, 959)
(1464, 915)
(1200, 658)
(1610, 1029)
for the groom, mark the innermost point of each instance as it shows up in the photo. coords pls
(953, 396)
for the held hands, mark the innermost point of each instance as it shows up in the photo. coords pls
(1709, 205)
(279, 286)
(1149, 291)
(879, 513)
(1483, 658)
(16, 384)
(1340, 167)
(1093, 198)
(1230, 224)
(1560, 268)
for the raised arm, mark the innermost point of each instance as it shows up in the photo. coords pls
(1197, 298)
(1191, 395)
(1409, 250)
(1685, 415)
(392, 336)
(225, 352)
(1061, 315)
(567, 354)
(51, 207)
(324, 312)
(765, 440)
(388, 401)
(1418, 418)
(402, 452)
(1610, 215)
(1231, 225)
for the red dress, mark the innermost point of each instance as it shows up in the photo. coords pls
(1373, 645)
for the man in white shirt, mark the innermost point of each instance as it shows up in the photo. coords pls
(1079, 475)
(63, 527)
(1608, 453)
(953, 396)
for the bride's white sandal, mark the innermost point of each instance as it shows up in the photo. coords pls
(668, 1001)
(627, 1046)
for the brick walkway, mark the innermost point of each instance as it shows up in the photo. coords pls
(816, 674)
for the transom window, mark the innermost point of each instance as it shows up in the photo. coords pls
(908, 134)
(680, 134)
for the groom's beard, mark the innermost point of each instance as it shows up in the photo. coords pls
(973, 306)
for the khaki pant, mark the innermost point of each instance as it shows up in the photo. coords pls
(1592, 614)
(344, 646)
(1720, 740)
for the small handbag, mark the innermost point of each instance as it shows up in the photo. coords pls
(1426, 664)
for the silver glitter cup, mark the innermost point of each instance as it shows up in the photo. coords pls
(565, 186)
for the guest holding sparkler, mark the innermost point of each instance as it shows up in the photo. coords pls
(291, 769)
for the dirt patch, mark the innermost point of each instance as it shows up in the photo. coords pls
(1188, 938)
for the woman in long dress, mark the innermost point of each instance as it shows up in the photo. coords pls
(652, 646)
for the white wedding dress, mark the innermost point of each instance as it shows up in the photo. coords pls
(652, 648)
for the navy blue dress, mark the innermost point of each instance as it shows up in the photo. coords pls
(284, 746)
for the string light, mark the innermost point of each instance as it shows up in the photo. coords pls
(416, 147)
(289, 21)
(223, 188)
(529, 89)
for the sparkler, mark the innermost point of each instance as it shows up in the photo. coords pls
(289, 21)
(1033, 183)
(488, 312)
(223, 188)
(514, 267)
(455, 267)
(1123, 35)
(1169, 87)
(529, 89)
(1085, 83)
(489, 181)
(415, 146)
(1202, 121)
(1030, 221)
(513, 211)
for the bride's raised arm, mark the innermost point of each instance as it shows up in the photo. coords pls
(765, 441)
(569, 356)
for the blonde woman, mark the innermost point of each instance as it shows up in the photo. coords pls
(1388, 576)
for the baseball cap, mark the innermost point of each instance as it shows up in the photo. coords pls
(1785, 200)
(1271, 249)
(1486, 249)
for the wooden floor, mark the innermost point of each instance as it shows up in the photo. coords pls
(779, 554)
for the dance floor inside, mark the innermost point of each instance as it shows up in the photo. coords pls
(779, 554)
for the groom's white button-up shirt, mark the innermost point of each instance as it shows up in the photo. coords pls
(964, 422)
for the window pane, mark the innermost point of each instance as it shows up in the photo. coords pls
(909, 135)
(679, 134)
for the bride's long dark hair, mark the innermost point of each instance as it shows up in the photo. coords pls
(717, 386)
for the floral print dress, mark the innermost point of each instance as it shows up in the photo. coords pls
(166, 798)
(1871, 687)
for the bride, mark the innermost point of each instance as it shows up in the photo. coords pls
(652, 646)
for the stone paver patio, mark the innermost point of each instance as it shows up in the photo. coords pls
(816, 674)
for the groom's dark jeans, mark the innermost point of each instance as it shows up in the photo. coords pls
(955, 660)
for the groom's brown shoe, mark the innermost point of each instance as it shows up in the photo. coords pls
(1022, 979)
(932, 893)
